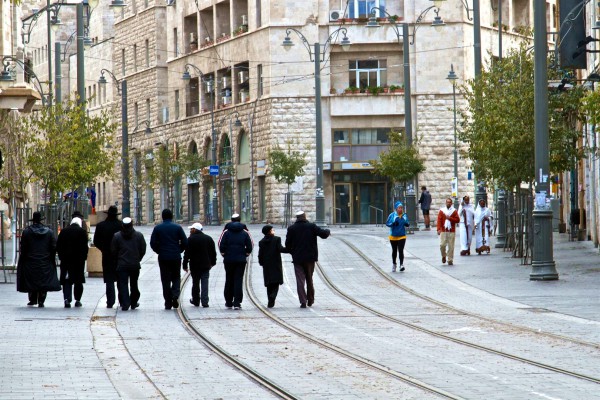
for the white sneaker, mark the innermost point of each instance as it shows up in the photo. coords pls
(393, 267)
(401, 268)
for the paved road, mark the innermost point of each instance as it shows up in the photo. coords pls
(96, 353)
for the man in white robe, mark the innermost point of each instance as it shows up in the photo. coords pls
(483, 219)
(466, 212)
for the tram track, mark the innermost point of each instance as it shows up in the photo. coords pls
(256, 376)
(265, 381)
(390, 318)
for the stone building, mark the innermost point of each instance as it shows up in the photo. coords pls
(246, 73)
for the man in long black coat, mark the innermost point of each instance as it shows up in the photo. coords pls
(36, 269)
(105, 231)
(301, 241)
(201, 254)
(72, 249)
(269, 256)
(235, 246)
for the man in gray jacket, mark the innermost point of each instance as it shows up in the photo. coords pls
(128, 248)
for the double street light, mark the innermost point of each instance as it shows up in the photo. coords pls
(317, 56)
(452, 77)
(210, 89)
(411, 204)
(126, 204)
(6, 75)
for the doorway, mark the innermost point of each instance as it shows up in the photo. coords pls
(342, 213)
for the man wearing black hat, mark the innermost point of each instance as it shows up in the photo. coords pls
(168, 240)
(72, 249)
(36, 268)
(128, 247)
(105, 231)
(301, 241)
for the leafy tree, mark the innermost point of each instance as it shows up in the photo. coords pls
(401, 162)
(68, 148)
(286, 166)
(171, 164)
(500, 130)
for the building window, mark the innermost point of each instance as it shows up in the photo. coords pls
(362, 8)
(359, 144)
(136, 113)
(259, 80)
(147, 44)
(135, 57)
(147, 109)
(123, 61)
(177, 104)
(175, 43)
(366, 73)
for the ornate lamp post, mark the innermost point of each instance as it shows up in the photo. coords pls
(317, 55)
(452, 78)
(210, 88)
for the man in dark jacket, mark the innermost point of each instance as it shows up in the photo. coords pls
(168, 240)
(105, 231)
(36, 268)
(269, 256)
(128, 247)
(72, 249)
(235, 246)
(201, 254)
(301, 241)
(425, 202)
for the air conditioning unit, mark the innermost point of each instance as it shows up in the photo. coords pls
(335, 15)
(243, 75)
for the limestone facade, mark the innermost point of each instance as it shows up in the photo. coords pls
(236, 44)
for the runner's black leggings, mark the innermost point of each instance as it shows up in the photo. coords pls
(398, 247)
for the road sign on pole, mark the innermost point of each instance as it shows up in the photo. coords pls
(214, 170)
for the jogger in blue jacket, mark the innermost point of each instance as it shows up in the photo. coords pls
(397, 222)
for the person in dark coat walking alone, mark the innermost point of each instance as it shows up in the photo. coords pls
(201, 255)
(301, 241)
(269, 256)
(235, 246)
(36, 268)
(103, 235)
(72, 249)
(168, 240)
(128, 247)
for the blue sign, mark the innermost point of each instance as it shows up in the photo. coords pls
(213, 170)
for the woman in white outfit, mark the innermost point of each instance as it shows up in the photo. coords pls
(483, 219)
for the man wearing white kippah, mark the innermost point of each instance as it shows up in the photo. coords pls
(301, 241)
(128, 247)
(72, 249)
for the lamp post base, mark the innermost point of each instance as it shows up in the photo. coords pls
(215, 205)
(501, 207)
(411, 211)
(126, 208)
(543, 267)
(320, 209)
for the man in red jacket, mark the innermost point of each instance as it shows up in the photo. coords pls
(446, 229)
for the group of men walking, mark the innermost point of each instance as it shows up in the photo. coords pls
(123, 249)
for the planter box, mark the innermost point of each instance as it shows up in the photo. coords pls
(94, 262)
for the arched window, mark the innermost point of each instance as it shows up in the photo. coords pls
(244, 149)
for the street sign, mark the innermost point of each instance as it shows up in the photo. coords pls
(213, 170)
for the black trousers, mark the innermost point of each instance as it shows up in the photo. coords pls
(200, 286)
(398, 249)
(128, 278)
(272, 290)
(234, 284)
(170, 276)
(68, 291)
(37, 297)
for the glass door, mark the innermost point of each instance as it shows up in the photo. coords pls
(342, 212)
(371, 203)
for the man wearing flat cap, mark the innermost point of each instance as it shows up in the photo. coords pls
(105, 231)
(201, 255)
(301, 241)
(36, 268)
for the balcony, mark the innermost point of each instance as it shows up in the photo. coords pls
(366, 104)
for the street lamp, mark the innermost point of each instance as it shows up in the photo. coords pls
(6, 76)
(210, 89)
(411, 206)
(126, 204)
(543, 266)
(317, 56)
(452, 78)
